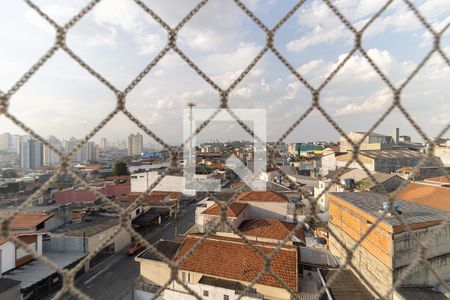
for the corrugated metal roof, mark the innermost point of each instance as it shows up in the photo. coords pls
(412, 213)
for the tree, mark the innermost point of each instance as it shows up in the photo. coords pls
(120, 169)
(311, 222)
(9, 173)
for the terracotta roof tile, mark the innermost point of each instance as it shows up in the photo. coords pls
(17, 233)
(156, 197)
(268, 196)
(233, 259)
(430, 195)
(233, 210)
(237, 185)
(28, 220)
(439, 179)
(271, 229)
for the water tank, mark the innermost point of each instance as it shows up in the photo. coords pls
(349, 183)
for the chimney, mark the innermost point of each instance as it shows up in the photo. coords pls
(396, 135)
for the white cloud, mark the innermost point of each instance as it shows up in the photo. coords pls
(104, 38)
(441, 119)
(149, 43)
(320, 35)
(375, 103)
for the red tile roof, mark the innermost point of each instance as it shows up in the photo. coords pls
(154, 197)
(430, 195)
(17, 233)
(233, 259)
(28, 220)
(440, 179)
(268, 196)
(237, 185)
(271, 229)
(233, 210)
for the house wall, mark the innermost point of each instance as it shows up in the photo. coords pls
(328, 163)
(64, 243)
(322, 202)
(60, 216)
(269, 292)
(122, 239)
(266, 210)
(71, 196)
(438, 254)
(444, 154)
(140, 182)
(159, 273)
(8, 252)
(21, 256)
(382, 257)
(156, 272)
(341, 161)
(372, 269)
(209, 220)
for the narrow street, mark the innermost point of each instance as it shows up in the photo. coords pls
(113, 278)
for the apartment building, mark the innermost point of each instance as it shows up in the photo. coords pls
(135, 144)
(388, 250)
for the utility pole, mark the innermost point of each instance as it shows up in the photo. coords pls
(191, 105)
(177, 208)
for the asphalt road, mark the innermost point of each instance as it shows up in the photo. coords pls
(113, 278)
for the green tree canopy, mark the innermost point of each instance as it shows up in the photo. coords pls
(9, 173)
(120, 168)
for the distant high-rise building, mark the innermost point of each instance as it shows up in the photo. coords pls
(103, 143)
(51, 158)
(31, 153)
(396, 135)
(87, 152)
(5, 142)
(135, 144)
(16, 141)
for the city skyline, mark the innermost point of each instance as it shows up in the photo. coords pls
(313, 40)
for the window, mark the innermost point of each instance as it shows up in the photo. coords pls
(226, 297)
(205, 293)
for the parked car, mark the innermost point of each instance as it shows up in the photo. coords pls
(135, 249)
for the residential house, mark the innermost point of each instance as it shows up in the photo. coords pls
(426, 194)
(236, 214)
(386, 252)
(265, 205)
(443, 152)
(88, 235)
(221, 268)
(141, 182)
(328, 159)
(270, 231)
(343, 180)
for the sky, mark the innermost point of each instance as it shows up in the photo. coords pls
(118, 39)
